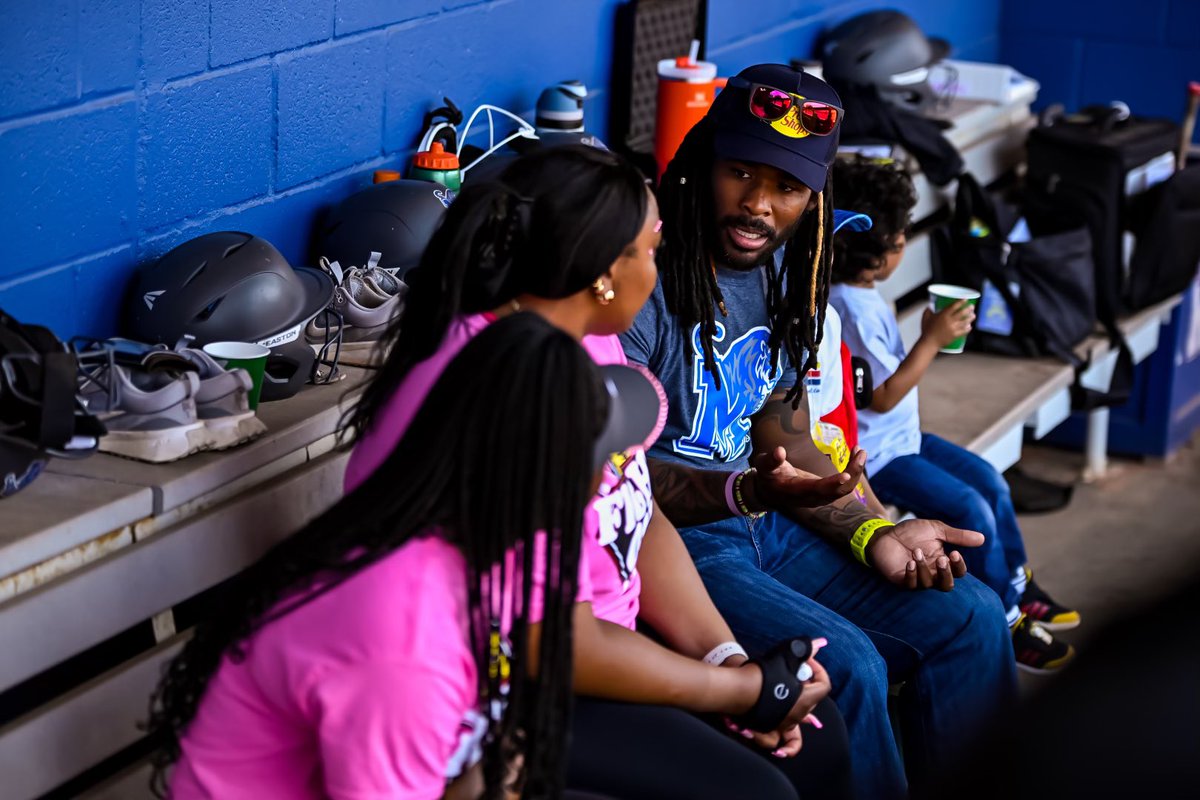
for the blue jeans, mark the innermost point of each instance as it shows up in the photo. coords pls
(773, 579)
(946, 482)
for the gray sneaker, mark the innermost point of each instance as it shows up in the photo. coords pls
(366, 314)
(223, 402)
(150, 416)
(379, 279)
(384, 282)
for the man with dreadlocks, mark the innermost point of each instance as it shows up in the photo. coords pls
(736, 318)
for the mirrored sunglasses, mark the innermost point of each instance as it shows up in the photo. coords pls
(771, 105)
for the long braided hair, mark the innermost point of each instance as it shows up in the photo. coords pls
(797, 293)
(549, 225)
(452, 475)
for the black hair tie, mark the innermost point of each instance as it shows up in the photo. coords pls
(781, 685)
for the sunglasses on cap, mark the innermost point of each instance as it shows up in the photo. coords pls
(773, 105)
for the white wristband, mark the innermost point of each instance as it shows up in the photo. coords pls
(718, 655)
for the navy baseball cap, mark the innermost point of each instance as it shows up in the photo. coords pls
(742, 136)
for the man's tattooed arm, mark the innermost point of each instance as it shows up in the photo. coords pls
(837, 521)
(689, 496)
(779, 425)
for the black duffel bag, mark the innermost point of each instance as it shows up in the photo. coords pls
(1166, 223)
(1038, 296)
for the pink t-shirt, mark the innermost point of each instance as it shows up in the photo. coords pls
(615, 521)
(325, 703)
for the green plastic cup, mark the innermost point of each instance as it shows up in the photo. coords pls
(945, 294)
(250, 357)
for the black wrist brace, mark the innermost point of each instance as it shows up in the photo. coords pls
(781, 685)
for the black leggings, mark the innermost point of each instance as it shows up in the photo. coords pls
(635, 752)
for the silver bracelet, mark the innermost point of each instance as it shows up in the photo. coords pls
(719, 654)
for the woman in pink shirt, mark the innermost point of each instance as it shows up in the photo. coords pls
(363, 656)
(569, 233)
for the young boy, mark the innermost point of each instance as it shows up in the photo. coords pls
(916, 471)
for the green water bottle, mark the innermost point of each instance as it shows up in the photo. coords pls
(436, 165)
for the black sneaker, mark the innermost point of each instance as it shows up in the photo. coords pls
(1036, 650)
(1042, 608)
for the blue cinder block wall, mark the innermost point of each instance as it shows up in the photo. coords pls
(1096, 51)
(129, 126)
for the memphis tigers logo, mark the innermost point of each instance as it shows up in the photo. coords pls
(721, 426)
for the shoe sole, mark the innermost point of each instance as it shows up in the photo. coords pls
(1045, 670)
(1072, 621)
(1051, 667)
(1060, 626)
(231, 431)
(157, 447)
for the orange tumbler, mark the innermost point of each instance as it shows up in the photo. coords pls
(686, 88)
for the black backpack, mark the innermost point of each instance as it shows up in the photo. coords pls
(1081, 164)
(1038, 296)
(40, 415)
(1166, 222)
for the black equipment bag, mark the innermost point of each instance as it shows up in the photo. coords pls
(1166, 222)
(1080, 165)
(1038, 296)
(40, 414)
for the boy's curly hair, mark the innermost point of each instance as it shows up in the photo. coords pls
(883, 191)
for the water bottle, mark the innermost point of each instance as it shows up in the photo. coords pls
(437, 165)
(686, 88)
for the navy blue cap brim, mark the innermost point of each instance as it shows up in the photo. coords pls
(739, 146)
(850, 220)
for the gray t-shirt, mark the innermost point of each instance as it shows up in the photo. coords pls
(709, 427)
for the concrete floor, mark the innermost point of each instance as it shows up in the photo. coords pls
(1121, 541)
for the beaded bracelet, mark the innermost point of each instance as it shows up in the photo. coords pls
(739, 499)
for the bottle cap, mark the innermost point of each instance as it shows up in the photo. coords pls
(435, 158)
(681, 70)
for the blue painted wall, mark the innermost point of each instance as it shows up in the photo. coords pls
(1097, 51)
(129, 126)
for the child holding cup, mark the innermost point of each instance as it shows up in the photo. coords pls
(916, 471)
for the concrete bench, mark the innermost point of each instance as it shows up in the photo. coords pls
(982, 402)
(985, 403)
(96, 550)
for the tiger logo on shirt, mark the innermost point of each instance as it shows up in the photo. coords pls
(721, 425)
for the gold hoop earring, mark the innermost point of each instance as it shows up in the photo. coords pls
(603, 296)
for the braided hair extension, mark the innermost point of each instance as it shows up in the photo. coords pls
(796, 294)
(450, 475)
(554, 221)
(883, 190)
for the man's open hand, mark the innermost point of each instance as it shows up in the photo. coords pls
(780, 486)
(912, 554)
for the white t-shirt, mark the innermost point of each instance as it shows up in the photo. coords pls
(870, 330)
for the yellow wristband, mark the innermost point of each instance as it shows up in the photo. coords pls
(862, 537)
